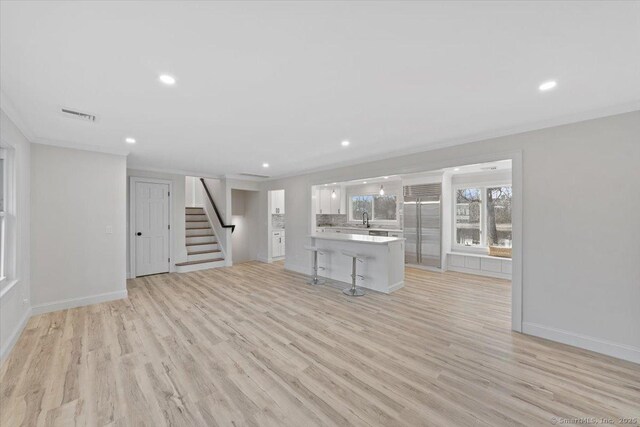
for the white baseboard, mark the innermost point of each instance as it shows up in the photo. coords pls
(621, 351)
(395, 287)
(4, 351)
(262, 259)
(77, 302)
(479, 272)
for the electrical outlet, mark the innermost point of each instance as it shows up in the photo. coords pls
(25, 301)
(109, 229)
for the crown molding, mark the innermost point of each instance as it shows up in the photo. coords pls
(84, 147)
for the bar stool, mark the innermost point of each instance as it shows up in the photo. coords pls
(315, 280)
(354, 291)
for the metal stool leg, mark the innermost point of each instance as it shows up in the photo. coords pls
(315, 280)
(353, 291)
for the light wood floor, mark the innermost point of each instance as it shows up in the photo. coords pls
(255, 345)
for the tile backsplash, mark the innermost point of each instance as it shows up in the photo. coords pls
(277, 221)
(326, 220)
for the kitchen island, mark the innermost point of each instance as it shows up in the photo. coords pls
(382, 270)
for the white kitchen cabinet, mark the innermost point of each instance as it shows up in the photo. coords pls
(330, 201)
(277, 244)
(336, 201)
(277, 202)
(324, 201)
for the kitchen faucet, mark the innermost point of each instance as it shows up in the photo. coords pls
(365, 214)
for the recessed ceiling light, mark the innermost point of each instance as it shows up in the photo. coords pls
(265, 165)
(547, 85)
(345, 143)
(130, 140)
(364, 182)
(456, 169)
(386, 177)
(167, 79)
(334, 183)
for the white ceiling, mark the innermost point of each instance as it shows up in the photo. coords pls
(284, 83)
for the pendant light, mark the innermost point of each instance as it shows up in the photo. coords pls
(381, 190)
(333, 194)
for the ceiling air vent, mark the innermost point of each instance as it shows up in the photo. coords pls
(79, 115)
(489, 168)
(254, 175)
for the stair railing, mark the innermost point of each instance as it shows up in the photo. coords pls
(215, 208)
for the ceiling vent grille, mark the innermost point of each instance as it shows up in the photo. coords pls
(254, 175)
(78, 115)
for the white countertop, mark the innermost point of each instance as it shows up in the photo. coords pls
(327, 227)
(357, 238)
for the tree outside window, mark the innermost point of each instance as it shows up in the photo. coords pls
(378, 208)
(360, 205)
(499, 216)
(384, 208)
(468, 212)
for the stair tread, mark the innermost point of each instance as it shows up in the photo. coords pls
(210, 251)
(202, 243)
(203, 261)
(197, 220)
(198, 228)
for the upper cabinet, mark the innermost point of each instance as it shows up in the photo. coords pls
(330, 201)
(277, 202)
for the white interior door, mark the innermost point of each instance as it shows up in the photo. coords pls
(152, 228)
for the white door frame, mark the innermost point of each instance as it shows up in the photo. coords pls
(133, 180)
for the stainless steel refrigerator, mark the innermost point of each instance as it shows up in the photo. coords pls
(422, 224)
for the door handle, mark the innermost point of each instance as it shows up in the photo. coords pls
(138, 234)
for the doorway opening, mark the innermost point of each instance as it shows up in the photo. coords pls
(244, 212)
(464, 218)
(276, 225)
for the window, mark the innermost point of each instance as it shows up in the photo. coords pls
(483, 216)
(384, 208)
(360, 205)
(499, 216)
(468, 213)
(378, 208)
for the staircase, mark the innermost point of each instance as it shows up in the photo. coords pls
(203, 250)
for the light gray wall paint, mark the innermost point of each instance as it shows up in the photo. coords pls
(481, 178)
(581, 198)
(75, 196)
(14, 311)
(245, 209)
(177, 213)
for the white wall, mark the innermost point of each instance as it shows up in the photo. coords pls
(489, 177)
(15, 306)
(193, 193)
(244, 207)
(75, 196)
(177, 214)
(581, 275)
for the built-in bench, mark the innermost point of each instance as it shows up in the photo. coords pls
(484, 265)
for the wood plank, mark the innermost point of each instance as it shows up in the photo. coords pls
(255, 345)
